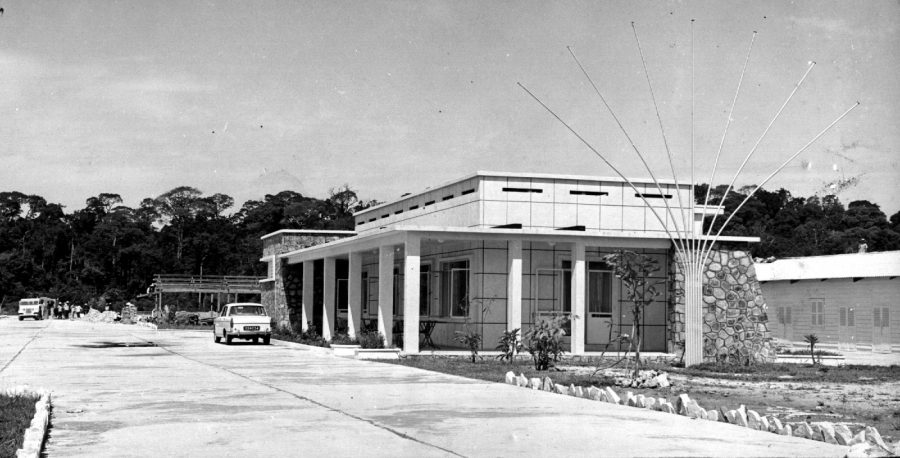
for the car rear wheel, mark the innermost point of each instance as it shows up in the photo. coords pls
(21, 318)
(266, 340)
(256, 340)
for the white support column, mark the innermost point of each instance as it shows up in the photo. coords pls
(514, 286)
(578, 290)
(411, 291)
(306, 311)
(386, 293)
(354, 295)
(328, 286)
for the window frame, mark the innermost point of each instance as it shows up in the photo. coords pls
(817, 314)
(448, 307)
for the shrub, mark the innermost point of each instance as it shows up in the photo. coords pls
(344, 339)
(471, 340)
(508, 345)
(543, 341)
(371, 339)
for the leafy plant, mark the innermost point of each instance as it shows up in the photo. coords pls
(471, 340)
(634, 269)
(371, 339)
(543, 341)
(508, 345)
(469, 337)
(812, 340)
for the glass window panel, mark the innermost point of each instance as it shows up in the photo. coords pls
(424, 288)
(851, 319)
(885, 317)
(843, 316)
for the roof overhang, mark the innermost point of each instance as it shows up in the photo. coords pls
(320, 232)
(396, 235)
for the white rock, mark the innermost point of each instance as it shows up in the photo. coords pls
(663, 380)
(612, 396)
(511, 378)
(535, 383)
(842, 434)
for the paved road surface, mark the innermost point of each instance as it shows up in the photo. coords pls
(116, 396)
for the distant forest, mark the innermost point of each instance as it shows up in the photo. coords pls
(111, 251)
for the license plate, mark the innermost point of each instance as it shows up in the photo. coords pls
(251, 328)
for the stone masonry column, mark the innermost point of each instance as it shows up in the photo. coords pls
(411, 292)
(307, 296)
(386, 293)
(328, 287)
(354, 294)
(578, 289)
(514, 286)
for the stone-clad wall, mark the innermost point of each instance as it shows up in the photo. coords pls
(281, 294)
(734, 320)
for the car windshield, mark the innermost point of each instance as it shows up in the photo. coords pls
(253, 310)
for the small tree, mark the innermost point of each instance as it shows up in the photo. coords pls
(634, 269)
(470, 338)
(812, 340)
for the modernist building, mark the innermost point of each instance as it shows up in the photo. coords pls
(491, 252)
(849, 301)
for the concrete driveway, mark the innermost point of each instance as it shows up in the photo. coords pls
(123, 391)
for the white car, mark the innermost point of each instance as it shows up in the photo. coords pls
(243, 320)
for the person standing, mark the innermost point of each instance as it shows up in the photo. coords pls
(66, 310)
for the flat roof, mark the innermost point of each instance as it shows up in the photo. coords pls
(397, 235)
(542, 176)
(854, 265)
(308, 232)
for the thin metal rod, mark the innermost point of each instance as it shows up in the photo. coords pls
(759, 186)
(727, 123)
(759, 140)
(679, 243)
(662, 130)
(693, 240)
(591, 147)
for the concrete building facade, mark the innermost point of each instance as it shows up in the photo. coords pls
(849, 301)
(493, 252)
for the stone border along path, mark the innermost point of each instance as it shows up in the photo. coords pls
(36, 434)
(867, 442)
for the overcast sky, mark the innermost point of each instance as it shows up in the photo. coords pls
(248, 98)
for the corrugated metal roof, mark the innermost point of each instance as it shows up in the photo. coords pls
(855, 265)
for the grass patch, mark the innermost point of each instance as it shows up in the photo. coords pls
(495, 371)
(806, 352)
(17, 412)
(775, 372)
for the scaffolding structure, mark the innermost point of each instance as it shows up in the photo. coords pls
(215, 285)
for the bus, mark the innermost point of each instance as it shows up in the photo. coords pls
(37, 308)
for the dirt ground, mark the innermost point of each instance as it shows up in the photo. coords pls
(854, 404)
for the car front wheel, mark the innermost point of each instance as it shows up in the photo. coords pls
(228, 338)
(216, 338)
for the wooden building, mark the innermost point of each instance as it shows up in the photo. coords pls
(851, 302)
